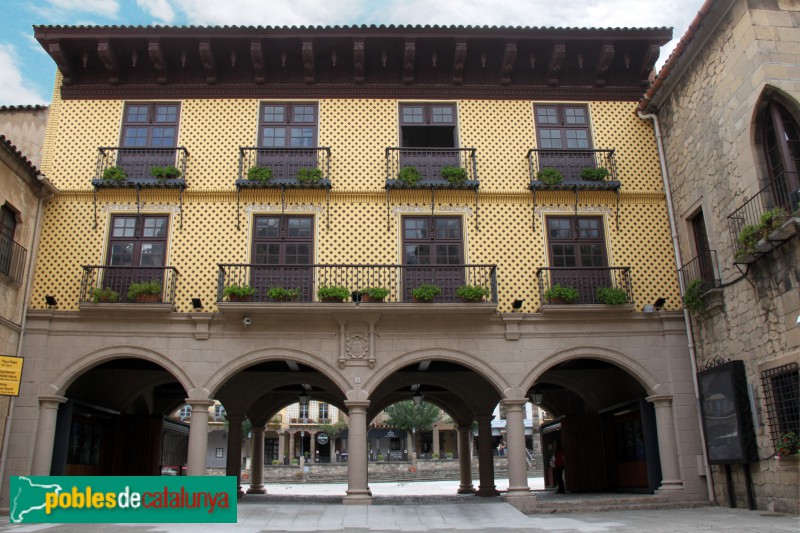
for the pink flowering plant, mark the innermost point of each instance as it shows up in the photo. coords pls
(788, 444)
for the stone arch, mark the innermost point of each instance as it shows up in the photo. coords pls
(109, 353)
(260, 355)
(473, 362)
(609, 355)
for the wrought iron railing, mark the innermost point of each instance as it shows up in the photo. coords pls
(586, 280)
(398, 280)
(430, 161)
(139, 162)
(111, 284)
(285, 162)
(775, 194)
(12, 258)
(703, 267)
(570, 163)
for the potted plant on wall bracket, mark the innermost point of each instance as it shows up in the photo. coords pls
(239, 293)
(309, 175)
(559, 294)
(612, 296)
(409, 175)
(106, 295)
(373, 294)
(167, 172)
(114, 173)
(693, 298)
(259, 173)
(454, 175)
(148, 292)
(426, 293)
(279, 294)
(472, 293)
(333, 293)
(550, 176)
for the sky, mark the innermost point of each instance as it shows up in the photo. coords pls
(27, 72)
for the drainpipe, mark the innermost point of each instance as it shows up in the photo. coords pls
(686, 318)
(23, 318)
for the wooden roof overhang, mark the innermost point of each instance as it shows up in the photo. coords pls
(431, 62)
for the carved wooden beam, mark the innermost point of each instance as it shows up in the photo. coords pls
(308, 61)
(207, 58)
(459, 59)
(257, 57)
(556, 59)
(648, 62)
(509, 58)
(156, 54)
(60, 57)
(409, 56)
(109, 60)
(358, 61)
(603, 62)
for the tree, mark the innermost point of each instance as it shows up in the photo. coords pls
(405, 415)
(333, 429)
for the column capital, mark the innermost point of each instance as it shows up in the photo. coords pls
(51, 401)
(199, 403)
(259, 429)
(514, 404)
(663, 400)
(357, 405)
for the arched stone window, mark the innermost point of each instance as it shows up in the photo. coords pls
(781, 143)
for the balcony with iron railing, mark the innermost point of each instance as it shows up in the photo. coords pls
(585, 281)
(141, 167)
(437, 168)
(704, 268)
(398, 282)
(584, 169)
(112, 285)
(12, 259)
(760, 224)
(284, 167)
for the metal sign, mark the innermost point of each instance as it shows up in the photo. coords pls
(10, 375)
(322, 438)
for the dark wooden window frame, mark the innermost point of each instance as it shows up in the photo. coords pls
(138, 238)
(151, 122)
(783, 162)
(561, 124)
(288, 122)
(575, 236)
(283, 235)
(427, 116)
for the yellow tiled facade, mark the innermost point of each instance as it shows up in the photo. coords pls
(355, 228)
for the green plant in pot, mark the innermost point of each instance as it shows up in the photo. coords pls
(309, 175)
(409, 175)
(772, 220)
(454, 175)
(333, 293)
(612, 296)
(559, 294)
(114, 173)
(166, 172)
(279, 294)
(426, 293)
(748, 238)
(692, 298)
(550, 176)
(104, 295)
(259, 173)
(472, 293)
(239, 293)
(373, 294)
(594, 174)
(145, 291)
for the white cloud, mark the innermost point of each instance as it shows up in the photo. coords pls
(160, 10)
(15, 90)
(103, 8)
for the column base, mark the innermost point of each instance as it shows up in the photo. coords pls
(358, 497)
(469, 489)
(257, 489)
(518, 491)
(486, 492)
(671, 484)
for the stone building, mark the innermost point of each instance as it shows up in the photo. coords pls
(727, 104)
(501, 165)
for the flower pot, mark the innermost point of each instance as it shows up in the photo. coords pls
(473, 301)
(236, 298)
(417, 300)
(332, 300)
(365, 298)
(148, 298)
(558, 301)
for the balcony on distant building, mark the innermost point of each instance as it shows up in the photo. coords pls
(128, 285)
(586, 284)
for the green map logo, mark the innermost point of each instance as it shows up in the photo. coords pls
(122, 499)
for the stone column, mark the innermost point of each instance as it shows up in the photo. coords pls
(281, 446)
(357, 483)
(312, 447)
(233, 466)
(667, 447)
(485, 458)
(45, 435)
(257, 468)
(332, 440)
(436, 440)
(198, 437)
(291, 447)
(465, 460)
(515, 433)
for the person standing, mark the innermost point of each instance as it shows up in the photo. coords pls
(559, 463)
